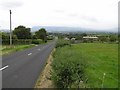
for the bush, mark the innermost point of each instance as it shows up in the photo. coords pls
(21, 41)
(68, 68)
(36, 41)
(61, 43)
(16, 41)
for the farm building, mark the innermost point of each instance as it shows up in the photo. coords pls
(66, 38)
(90, 38)
(73, 38)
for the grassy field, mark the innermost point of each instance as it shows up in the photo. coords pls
(6, 49)
(101, 69)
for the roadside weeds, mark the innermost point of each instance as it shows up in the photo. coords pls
(44, 80)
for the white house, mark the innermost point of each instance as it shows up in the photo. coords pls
(66, 38)
(73, 38)
(90, 37)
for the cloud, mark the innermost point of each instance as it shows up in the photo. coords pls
(59, 11)
(10, 4)
(72, 15)
(88, 18)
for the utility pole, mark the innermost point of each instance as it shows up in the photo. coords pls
(10, 30)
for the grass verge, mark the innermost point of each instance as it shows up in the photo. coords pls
(96, 62)
(6, 49)
(44, 80)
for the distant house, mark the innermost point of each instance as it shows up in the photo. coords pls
(66, 38)
(73, 38)
(90, 38)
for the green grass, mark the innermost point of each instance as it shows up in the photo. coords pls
(100, 58)
(6, 49)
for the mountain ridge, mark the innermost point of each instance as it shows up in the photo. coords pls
(66, 29)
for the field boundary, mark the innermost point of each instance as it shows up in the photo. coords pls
(44, 80)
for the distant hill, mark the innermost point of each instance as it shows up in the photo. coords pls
(5, 30)
(57, 29)
(69, 29)
(63, 29)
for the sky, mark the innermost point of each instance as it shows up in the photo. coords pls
(93, 14)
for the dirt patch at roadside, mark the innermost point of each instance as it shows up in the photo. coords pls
(44, 80)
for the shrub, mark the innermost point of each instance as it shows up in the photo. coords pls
(68, 68)
(61, 43)
(21, 41)
(36, 41)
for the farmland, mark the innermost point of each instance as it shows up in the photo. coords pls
(99, 65)
(6, 49)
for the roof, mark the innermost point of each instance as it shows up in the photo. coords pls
(92, 37)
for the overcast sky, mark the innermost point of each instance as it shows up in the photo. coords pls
(93, 14)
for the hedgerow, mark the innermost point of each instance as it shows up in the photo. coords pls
(62, 43)
(68, 68)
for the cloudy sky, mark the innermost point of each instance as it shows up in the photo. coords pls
(93, 14)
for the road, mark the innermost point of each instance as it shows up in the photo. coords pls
(22, 69)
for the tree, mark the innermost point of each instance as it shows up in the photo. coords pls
(22, 32)
(103, 39)
(119, 37)
(83, 34)
(41, 34)
(34, 37)
(5, 36)
(113, 38)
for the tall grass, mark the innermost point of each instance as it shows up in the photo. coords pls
(62, 43)
(68, 68)
(91, 65)
(7, 49)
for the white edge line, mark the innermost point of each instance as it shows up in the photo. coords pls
(39, 49)
(4, 68)
(29, 54)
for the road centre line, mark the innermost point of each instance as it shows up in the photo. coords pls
(29, 54)
(39, 49)
(4, 68)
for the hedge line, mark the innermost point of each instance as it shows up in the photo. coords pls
(22, 41)
(68, 67)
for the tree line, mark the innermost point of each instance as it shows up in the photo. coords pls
(21, 33)
(102, 37)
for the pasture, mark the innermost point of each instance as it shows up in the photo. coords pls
(6, 49)
(100, 59)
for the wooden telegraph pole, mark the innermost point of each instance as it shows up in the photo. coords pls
(10, 30)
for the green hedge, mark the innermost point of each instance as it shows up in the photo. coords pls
(37, 41)
(62, 43)
(68, 68)
(16, 41)
(21, 41)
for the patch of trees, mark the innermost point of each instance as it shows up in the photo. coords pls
(113, 38)
(102, 37)
(23, 35)
(41, 34)
(22, 32)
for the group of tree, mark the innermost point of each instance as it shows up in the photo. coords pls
(23, 33)
(102, 37)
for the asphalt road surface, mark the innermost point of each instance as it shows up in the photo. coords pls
(22, 69)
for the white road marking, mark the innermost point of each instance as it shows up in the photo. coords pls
(4, 68)
(29, 54)
(38, 49)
